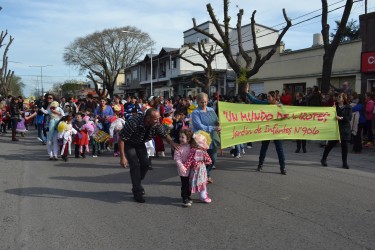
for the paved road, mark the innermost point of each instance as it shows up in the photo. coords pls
(87, 204)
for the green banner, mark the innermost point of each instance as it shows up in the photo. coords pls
(241, 123)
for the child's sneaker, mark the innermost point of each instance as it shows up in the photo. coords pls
(186, 203)
(243, 151)
(190, 200)
(238, 156)
(205, 200)
(162, 154)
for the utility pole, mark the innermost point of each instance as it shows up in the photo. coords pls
(41, 74)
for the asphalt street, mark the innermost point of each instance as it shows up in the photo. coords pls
(87, 203)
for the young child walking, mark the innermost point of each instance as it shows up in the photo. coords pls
(180, 156)
(81, 139)
(64, 136)
(196, 163)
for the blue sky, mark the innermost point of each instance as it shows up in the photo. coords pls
(43, 28)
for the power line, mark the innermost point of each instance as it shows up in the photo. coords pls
(294, 25)
(303, 21)
(272, 27)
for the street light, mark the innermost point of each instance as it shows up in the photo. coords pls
(127, 31)
(41, 74)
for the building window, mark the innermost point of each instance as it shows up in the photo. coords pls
(337, 81)
(294, 88)
(163, 70)
(135, 74)
(174, 63)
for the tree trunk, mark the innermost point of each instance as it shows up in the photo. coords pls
(206, 89)
(326, 73)
(242, 83)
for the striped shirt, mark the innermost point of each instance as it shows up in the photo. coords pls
(136, 133)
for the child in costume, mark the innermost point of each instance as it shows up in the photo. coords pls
(95, 143)
(55, 114)
(90, 128)
(181, 155)
(196, 163)
(116, 125)
(167, 120)
(81, 139)
(64, 136)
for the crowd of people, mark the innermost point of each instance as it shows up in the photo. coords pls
(134, 129)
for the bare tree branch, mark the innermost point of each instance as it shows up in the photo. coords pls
(243, 73)
(5, 74)
(208, 56)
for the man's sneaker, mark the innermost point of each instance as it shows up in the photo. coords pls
(139, 198)
(94, 156)
(186, 203)
(206, 200)
(162, 154)
(243, 151)
(238, 156)
(249, 147)
(39, 139)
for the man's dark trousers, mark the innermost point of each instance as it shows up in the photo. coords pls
(138, 163)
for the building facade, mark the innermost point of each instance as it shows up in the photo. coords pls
(166, 74)
(300, 69)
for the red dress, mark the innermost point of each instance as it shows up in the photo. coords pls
(81, 138)
(159, 144)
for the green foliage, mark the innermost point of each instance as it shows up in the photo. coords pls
(16, 86)
(351, 31)
(242, 78)
(70, 87)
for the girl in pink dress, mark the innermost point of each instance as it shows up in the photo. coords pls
(196, 163)
(180, 156)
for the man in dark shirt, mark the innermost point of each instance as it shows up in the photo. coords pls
(90, 103)
(133, 152)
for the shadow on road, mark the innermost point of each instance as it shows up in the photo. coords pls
(55, 193)
(105, 196)
(108, 178)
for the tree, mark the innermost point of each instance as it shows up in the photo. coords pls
(208, 57)
(70, 88)
(331, 47)
(5, 74)
(56, 89)
(16, 86)
(251, 67)
(103, 54)
(350, 32)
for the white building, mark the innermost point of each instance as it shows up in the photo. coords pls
(300, 69)
(171, 75)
